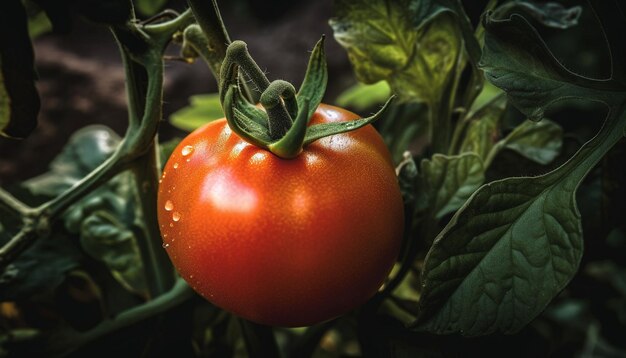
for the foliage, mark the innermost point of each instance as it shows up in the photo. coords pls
(513, 229)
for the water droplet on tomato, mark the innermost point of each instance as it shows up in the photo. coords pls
(187, 150)
(169, 206)
(165, 246)
(171, 224)
(176, 216)
(175, 165)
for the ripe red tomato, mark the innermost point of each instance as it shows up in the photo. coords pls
(282, 242)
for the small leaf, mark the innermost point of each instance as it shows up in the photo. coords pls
(19, 99)
(149, 7)
(313, 86)
(318, 131)
(451, 180)
(538, 141)
(361, 97)
(38, 24)
(202, 110)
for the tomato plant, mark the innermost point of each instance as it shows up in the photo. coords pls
(479, 212)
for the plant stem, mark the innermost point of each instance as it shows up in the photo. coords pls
(20, 242)
(168, 28)
(11, 205)
(159, 272)
(210, 20)
(459, 130)
(208, 16)
(439, 126)
(178, 294)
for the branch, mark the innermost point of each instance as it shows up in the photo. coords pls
(11, 205)
(178, 294)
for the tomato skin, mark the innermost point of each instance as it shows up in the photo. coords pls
(282, 242)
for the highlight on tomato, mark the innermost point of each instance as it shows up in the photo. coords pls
(285, 214)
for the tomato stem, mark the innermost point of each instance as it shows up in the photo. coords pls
(283, 127)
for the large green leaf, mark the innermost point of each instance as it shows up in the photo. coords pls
(510, 249)
(104, 220)
(517, 60)
(451, 180)
(517, 242)
(412, 44)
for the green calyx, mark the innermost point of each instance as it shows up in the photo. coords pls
(282, 128)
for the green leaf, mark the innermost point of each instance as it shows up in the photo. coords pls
(318, 131)
(451, 180)
(384, 43)
(513, 246)
(361, 97)
(19, 99)
(85, 150)
(25, 278)
(517, 242)
(484, 128)
(149, 7)
(106, 239)
(516, 59)
(313, 86)
(105, 218)
(38, 24)
(201, 110)
(538, 141)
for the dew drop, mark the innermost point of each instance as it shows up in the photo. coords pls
(169, 206)
(187, 150)
(176, 216)
(171, 224)
(165, 246)
(175, 165)
(190, 276)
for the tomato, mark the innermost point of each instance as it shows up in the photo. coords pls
(282, 242)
